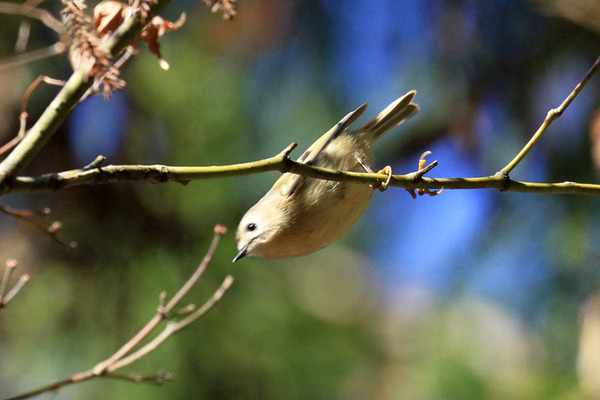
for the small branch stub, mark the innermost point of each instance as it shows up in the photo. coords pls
(11, 265)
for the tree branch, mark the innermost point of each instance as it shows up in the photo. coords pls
(282, 163)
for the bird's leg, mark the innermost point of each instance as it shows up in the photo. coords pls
(387, 170)
(363, 164)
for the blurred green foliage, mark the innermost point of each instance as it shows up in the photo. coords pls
(319, 327)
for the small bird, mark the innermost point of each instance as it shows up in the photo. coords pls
(301, 215)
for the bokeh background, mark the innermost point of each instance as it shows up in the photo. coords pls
(468, 295)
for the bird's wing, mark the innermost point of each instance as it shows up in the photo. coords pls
(310, 155)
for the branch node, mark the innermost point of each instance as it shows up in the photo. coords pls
(505, 179)
(554, 113)
(95, 164)
(418, 176)
(285, 154)
(164, 312)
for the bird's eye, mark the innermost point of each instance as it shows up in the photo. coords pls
(251, 226)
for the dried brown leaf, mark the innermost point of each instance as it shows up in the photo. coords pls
(110, 14)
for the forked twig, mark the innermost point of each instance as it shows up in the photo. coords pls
(23, 117)
(32, 218)
(28, 10)
(25, 28)
(550, 117)
(124, 356)
(11, 264)
(33, 55)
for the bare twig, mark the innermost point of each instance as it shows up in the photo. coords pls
(23, 36)
(25, 27)
(163, 310)
(174, 327)
(23, 117)
(11, 264)
(31, 217)
(124, 355)
(27, 10)
(23, 279)
(550, 117)
(34, 55)
(95, 164)
(159, 378)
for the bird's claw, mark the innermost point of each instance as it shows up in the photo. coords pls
(383, 186)
(423, 168)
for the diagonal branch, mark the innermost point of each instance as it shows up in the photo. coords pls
(34, 55)
(124, 355)
(163, 311)
(550, 117)
(173, 327)
(68, 97)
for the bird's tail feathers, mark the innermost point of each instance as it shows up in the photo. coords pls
(393, 115)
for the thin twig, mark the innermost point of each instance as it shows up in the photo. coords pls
(23, 279)
(49, 388)
(121, 358)
(96, 163)
(11, 264)
(159, 378)
(550, 117)
(27, 10)
(23, 36)
(31, 217)
(25, 28)
(88, 375)
(23, 117)
(174, 327)
(163, 311)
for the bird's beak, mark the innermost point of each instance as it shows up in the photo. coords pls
(241, 254)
